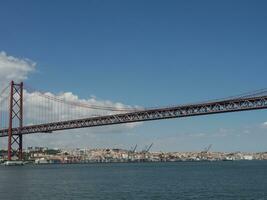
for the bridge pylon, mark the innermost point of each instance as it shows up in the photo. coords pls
(15, 120)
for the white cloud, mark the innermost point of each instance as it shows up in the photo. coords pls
(12, 68)
(39, 110)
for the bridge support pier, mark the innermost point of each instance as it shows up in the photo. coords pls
(15, 120)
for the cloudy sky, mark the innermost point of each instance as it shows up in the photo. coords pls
(147, 54)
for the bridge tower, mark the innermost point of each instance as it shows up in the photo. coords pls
(15, 120)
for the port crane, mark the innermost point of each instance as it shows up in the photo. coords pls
(145, 151)
(134, 149)
(147, 148)
(207, 149)
(203, 154)
(131, 153)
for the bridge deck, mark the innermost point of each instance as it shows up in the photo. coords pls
(231, 105)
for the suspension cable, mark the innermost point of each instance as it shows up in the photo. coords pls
(83, 105)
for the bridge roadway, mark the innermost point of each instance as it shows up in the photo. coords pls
(216, 107)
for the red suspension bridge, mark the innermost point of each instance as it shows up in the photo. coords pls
(27, 111)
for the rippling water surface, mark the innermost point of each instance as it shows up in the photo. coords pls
(215, 180)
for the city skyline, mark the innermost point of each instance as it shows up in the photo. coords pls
(153, 56)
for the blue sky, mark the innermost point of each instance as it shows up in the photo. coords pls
(148, 53)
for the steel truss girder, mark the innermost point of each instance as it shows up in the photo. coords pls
(232, 105)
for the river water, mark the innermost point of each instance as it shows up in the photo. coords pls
(182, 180)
